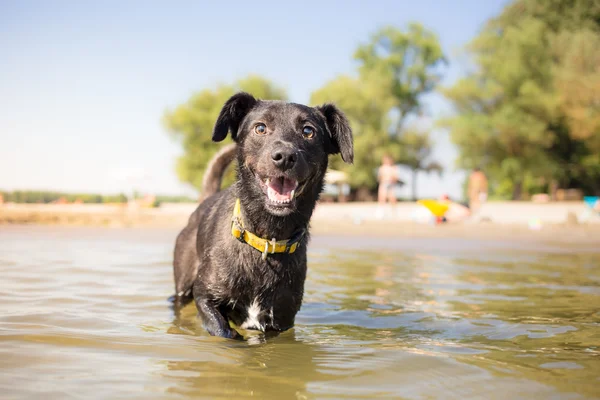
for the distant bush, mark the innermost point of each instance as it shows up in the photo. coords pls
(45, 197)
(175, 199)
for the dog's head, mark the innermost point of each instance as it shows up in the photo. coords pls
(283, 148)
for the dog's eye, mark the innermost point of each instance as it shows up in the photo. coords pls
(260, 129)
(308, 132)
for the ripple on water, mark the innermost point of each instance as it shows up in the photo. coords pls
(84, 311)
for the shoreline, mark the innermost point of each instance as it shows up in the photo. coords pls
(584, 237)
(339, 220)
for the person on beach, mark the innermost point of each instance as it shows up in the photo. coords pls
(387, 176)
(456, 212)
(477, 190)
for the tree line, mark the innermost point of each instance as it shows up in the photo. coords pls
(45, 197)
(527, 113)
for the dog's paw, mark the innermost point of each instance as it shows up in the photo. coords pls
(233, 334)
(226, 333)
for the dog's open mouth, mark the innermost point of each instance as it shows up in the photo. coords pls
(279, 190)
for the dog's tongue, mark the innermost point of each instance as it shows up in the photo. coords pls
(281, 190)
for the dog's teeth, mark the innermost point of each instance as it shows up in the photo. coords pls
(267, 181)
(292, 194)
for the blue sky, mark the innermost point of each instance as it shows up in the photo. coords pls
(83, 85)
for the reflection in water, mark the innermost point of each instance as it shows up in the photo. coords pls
(279, 367)
(83, 314)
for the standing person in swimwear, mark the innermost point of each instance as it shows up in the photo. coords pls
(477, 190)
(387, 178)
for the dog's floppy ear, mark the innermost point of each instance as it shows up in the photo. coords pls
(339, 131)
(232, 114)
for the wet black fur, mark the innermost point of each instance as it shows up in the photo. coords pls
(223, 275)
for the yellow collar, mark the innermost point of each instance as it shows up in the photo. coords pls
(263, 245)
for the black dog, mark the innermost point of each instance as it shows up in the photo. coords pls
(242, 256)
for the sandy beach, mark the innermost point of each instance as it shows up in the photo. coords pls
(560, 223)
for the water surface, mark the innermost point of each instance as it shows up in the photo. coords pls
(83, 315)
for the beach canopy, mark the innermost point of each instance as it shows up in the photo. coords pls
(333, 177)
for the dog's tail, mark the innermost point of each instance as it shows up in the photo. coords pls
(215, 170)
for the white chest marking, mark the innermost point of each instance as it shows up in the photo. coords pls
(253, 320)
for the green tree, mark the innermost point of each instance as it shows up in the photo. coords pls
(191, 123)
(409, 62)
(395, 69)
(366, 103)
(529, 110)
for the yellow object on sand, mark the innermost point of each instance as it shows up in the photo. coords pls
(437, 208)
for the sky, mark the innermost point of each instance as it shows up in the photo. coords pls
(84, 85)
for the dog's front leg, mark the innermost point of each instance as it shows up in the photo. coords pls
(214, 322)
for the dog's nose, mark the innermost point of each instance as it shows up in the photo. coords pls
(284, 158)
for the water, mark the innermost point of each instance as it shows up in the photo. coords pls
(83, 315)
